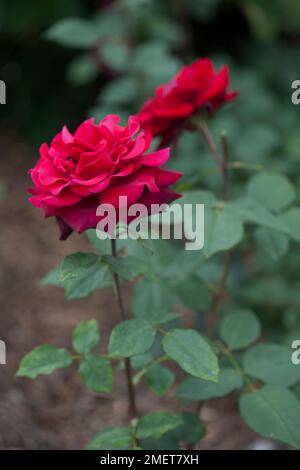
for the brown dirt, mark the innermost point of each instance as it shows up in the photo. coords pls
(57, 411)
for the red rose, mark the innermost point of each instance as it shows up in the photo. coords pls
(196, 87)
(96, 165)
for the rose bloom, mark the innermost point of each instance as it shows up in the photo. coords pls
(95, 165)
(196, 87)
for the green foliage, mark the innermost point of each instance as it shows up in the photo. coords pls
(73, 32)
(273, 412)
(190, 431)
(44, 360)
(82, 273)
(223, 229)
(86, 336)
(53, 278)
(131, 337)
(272, 243)
(160, 379)
(112, 439)
(152, 299)
(118, 56)
(239, 329)
(186, 347)
(272, 364)
(126, 267)
(198, 389)
(157, 423)
(96, 373)
(272, 190)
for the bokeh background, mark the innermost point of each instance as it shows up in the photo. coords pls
(64, 61)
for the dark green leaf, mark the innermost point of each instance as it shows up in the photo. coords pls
(43, 360)
(73, 32)
(127, 267)
(82, 273)
(157, 423)
(150, 298)
(160, 379)
(223, 230)
(252, 211)
(86, 336)
(198, 389)
(53, 278)
(131, 337)
(96, 373)
(192, 352)
(271, 242)
(273, 412)
(112, 439)
(193, 293)
(239, 329)
(272, 190)
(191, 430)
(271, 363)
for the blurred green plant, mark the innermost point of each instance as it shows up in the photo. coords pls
(246, 278)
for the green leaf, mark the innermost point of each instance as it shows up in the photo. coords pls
(141, 360)
(223, 230)
(156, 424)
(240, 328)
(192, 352)
(82, 273)
(273, 412)
(272, 190)
(253, 211)
(291, 221)
(121, 91)
(73, 32)
(151, 298)
(112, 439)
(160, 379)
(193, 293)
(190, 431)
(271, 242)
(198, 389)
(96, 373)
(43, 360)
(128, 267)
(86, 336)
(53, 278)
(82, 70)
(116, 55)
(103, 246)
(160, 318)
(131, 337)
(271, 363)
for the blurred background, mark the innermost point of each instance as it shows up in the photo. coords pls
(64, 61)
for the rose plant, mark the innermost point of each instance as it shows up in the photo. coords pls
(223, 353)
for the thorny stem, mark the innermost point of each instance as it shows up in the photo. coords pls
(223, 163)
(132, 410)
(225, 166)
(202, 126)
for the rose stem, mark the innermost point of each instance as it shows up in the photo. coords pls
(222, 159)
(130, 389)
